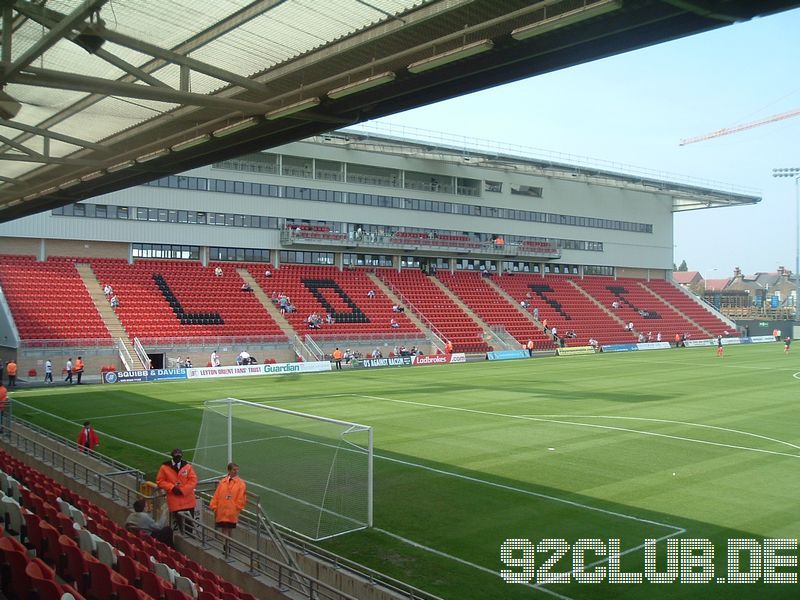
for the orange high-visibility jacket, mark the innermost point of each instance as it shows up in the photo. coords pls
(168, 477)
(229, 499)
(11, 367)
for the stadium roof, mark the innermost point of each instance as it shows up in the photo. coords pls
(99, 95)
(686, 193)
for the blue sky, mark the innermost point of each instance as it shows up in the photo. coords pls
(633, 109)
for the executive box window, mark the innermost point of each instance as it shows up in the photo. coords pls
(306, 258)
(217, 253)
(172, 251)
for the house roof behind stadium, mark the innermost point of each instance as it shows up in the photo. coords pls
(99, 95)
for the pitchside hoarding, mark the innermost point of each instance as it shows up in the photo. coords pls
(209, 372)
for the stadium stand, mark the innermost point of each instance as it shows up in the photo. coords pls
(343, 294)
(639, 306)
(565, 307)
(70, 559)
(693, 310)
(436, 308)
(183, 300)
(493, 308)
(49, 301)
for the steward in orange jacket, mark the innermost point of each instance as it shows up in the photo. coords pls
(178, 480)
(229, 498)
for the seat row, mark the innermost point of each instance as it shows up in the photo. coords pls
(80, 551)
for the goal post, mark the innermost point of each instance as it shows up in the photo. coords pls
(313, 474)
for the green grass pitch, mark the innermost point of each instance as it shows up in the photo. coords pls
(664, 444)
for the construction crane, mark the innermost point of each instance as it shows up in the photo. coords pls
(742, 127)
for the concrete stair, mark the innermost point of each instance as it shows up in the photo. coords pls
(489, 336)
(110, 319)
(684, 315)
(267, 303)
(439, 343)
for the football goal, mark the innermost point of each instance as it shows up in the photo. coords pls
(313, 474)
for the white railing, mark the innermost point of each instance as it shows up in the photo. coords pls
(141, 353)
(124, 355)
(9, 319)
(314, 348)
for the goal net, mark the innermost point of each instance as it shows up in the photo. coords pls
(313, 474)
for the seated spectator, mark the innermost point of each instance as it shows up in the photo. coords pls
(377, 353)
(140, 520)
(114, 302)
(397, 308)
(524, 304)
(188, 363)
(246, 287)
(108, 290)
(329, 318)
(267, 273)
(394, 324)
(615, 305)
(218, 271)
(371, 294)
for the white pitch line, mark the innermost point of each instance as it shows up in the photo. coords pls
(108, 435)
(590, 425)
(465, 562)
(689, 423)
(142, 414)
(510, 488)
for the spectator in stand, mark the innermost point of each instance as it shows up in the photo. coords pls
(188, 363)
(329, 318)
(218, 272)
(615, 304)
(108, 290)
(371, 294)
(246, 287)
(377, 353)
(114, 302)
(79, 366)
(48, 371)
(140, 520)
(68, 370)
(524, 304)
(87, 438)
(544, 324)
(267, 273)
(11, 371)
(397, 308)
(536, 314)
(178, 480)
(394, 324)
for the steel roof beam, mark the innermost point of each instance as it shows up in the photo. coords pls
(97, 85)
(64, 25)
(52, 135)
